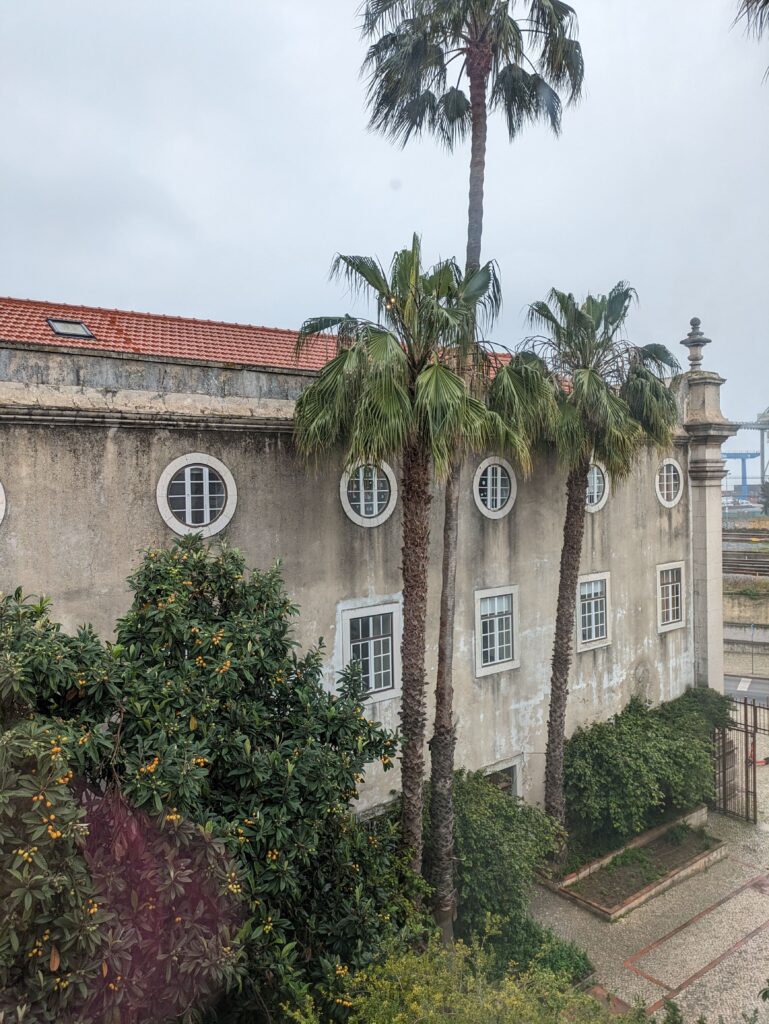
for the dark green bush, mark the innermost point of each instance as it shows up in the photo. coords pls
(500, 845)
(500, 842)
(627, 774)
(203, 718)
(530, 943)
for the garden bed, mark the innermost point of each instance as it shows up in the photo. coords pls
(651, 863)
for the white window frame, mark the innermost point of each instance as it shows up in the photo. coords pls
(230, 503)
(497, 666)
(362, 610)
(591, 645)
(606, 488)
(499, 513)
(680, 623)
(3, 503)
(356, 517)
(666, 503)
(517, 762)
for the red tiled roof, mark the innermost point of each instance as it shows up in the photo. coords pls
(151, 334)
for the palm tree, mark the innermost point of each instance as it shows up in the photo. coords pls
(388, 393)
(612, 401)
(512, 66)
(516, 67)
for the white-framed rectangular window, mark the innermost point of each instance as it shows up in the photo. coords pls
(593, 611)
(371, 636)
(496, 630)
(671, 609)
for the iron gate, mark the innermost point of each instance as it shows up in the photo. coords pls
(735, 760)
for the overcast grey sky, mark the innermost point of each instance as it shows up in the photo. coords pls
(209, 158)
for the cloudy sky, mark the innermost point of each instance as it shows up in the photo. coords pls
(208, 159)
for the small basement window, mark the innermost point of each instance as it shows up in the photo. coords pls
(69, 328)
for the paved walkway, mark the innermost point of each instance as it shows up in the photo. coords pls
(703, 943)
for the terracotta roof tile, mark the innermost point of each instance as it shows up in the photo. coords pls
(150, 334)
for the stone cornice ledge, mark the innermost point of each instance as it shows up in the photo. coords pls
(48, 404)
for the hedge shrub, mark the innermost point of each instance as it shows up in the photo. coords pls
(500, 845)
(461, 986)
(205, 721)
(627, 774)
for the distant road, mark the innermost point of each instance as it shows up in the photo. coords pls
(754, 687)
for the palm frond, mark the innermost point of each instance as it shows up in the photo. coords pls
(755, 13)
(392, 380)
(325, 410)
(413, 47)
(523, 393)
(612, 396)
(343, 329)
(383, 421)
(523, 97)
(363, 274)
(658, 358)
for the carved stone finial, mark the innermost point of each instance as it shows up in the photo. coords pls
(695, 341)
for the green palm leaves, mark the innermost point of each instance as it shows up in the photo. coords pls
(423, 53)
(611, 395)
(393, 379)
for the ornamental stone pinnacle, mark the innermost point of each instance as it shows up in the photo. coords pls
(695, 341)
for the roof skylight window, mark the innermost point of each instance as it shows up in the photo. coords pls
(69, 328)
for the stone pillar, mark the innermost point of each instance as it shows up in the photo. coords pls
(707, 429)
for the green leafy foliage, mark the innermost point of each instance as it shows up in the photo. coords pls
(204, 717)
(500, 844)
(461, 985)
(627, 774)
(102, 907)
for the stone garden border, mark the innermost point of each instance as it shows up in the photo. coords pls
(697, 818)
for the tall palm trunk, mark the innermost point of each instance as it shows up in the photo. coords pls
(443, 741)
(478, 68)
(563, 645)
(416, 499)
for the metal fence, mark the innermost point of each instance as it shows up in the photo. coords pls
(735, 760)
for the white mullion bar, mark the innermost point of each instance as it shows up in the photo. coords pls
(206, 498)
(188, 495)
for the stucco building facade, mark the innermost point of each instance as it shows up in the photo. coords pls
(123, 437)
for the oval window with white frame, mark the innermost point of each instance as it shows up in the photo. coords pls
(196, 493)
(494, 487)
(669, 483)
(597, 487)
(368, 494)
(2, 503)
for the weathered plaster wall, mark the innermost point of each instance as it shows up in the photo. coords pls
(81, 506)
(746, 610)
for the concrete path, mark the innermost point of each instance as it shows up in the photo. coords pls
(703, 943)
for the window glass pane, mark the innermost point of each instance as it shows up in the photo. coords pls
(371, 644)
(196, 495)
(596, 485)
(669, 482)
(592, 610)
(671, 603)
(368, 491)
(494, 487)
(496, 637)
